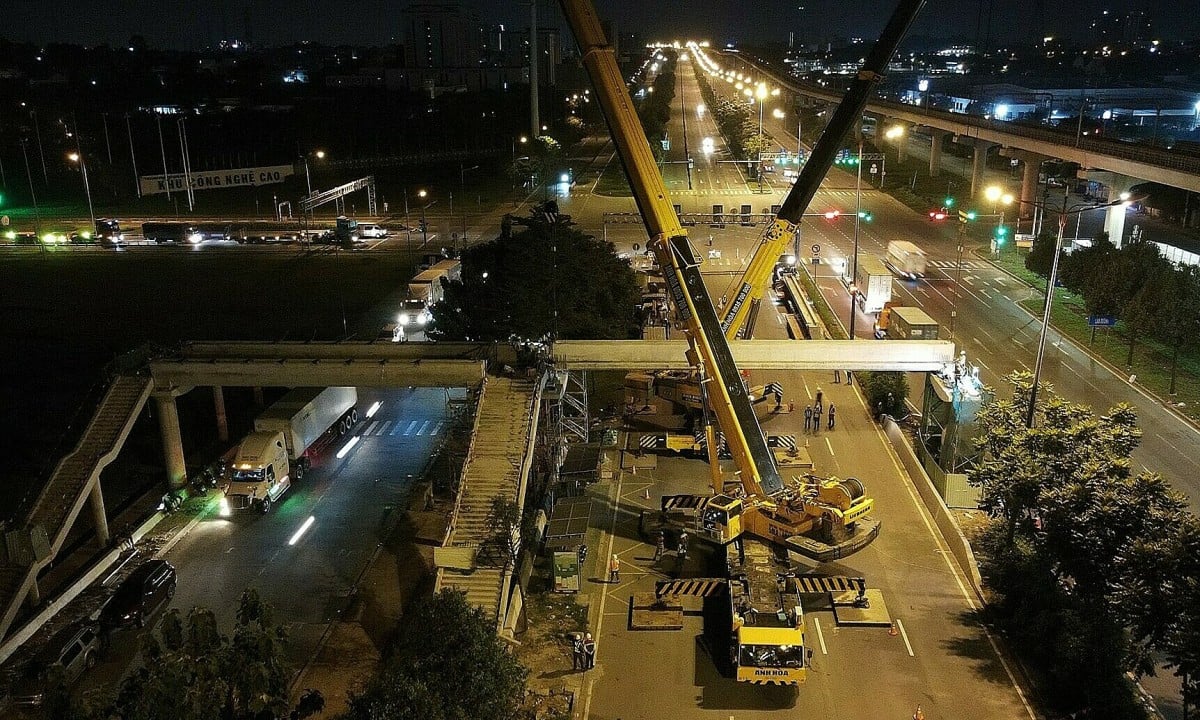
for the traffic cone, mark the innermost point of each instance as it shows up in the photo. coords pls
(893, 631)
(634, 467)
(646, 493)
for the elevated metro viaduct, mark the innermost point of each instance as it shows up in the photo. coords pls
(1118, 165)
(75, 481)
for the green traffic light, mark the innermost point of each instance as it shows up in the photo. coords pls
(972, 215)
(949, 202)
(1001, 232)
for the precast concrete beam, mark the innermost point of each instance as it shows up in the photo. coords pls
(1031, 166)
(235, 372)
(899, 355)
(979, 162)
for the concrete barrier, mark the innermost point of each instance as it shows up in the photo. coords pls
(955, 540)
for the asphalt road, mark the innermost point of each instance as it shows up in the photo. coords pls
(308, 576)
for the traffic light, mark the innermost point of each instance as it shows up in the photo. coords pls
(949, 202)
(971, 215)
(1001, 235)
(866, 215)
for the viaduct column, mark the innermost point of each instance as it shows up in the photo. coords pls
(172, 440)
(99, 519)
(219, 405)
(979, 164)
(1114, 218)
(1032, 164)
(936, 137)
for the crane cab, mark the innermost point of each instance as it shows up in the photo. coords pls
(721, 519)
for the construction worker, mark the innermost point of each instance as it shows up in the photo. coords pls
(614, 569)
(577, 660)
(589, 651)
(837, 376)
(820, 396)
(661, 546)
(683, 542)
(832, 416)
(807, 418)
(817, 419)
(849, 377)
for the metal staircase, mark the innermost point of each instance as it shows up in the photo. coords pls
(67, 490)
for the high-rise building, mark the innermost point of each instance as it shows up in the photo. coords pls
(439, 35)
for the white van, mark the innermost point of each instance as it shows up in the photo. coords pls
(369, 230)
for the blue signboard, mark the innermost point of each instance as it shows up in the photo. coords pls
(1102, 321)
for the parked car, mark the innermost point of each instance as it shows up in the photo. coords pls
(148, 588)
(370, 230)
(63, 659)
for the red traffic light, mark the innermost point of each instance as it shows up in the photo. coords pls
(832, 214)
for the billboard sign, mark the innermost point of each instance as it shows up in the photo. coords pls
(216, 179)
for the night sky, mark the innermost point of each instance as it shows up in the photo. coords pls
(187, 24)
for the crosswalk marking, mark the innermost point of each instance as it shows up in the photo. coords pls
(423, 426)
(436, 429)
(411, 426)
(966, 264)
(384, 428)
(371, 428)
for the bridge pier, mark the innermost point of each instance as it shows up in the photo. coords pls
(172, 440)
(1114, 217)
(1032, 163)
(99, 518)
(219, 406)
(936, 138)
(979, 162)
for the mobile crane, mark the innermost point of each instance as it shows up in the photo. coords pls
(819, 518)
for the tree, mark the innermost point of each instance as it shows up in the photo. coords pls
(886, 390)
(543, 152)
(447, 663)
(193, 672)
(1179, 312)
(545, 280)
(1041, 256)
(1129, 289)
(1076, 269)
(1181, 646)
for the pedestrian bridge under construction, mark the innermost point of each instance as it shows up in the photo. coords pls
(505, 435)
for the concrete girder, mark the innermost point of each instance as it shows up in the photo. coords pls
(979, 162)
(902, 355)
(319, 373)
(1031, 166)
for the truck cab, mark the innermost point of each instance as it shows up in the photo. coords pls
(260, 472)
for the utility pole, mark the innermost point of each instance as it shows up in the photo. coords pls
(162, 146)
(533, 70)
(107, 141)
(132, 157)
(857, 222)
(41, 152)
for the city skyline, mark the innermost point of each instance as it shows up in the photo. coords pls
(176, 24)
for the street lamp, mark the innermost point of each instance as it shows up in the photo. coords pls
(77, 158)
(857, 223)
(424, 228)
(997, 197)
(1125, 200)
(760, 92)
(923, 88)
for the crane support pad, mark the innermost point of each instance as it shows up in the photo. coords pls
(865, 533)
(698, 587)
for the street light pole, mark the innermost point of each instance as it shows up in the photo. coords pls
(1041, 348)
(87, 188)
(37, 217)
(857, 223)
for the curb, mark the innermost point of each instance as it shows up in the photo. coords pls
(1118, 372)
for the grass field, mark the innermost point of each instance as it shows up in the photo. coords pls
(64, 315)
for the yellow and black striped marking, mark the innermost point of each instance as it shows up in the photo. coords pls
(698, 587)
(817, 584)
(652, 442)
(685, 502)
(787, 442)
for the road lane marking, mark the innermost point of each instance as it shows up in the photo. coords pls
(830, 446)
(424, 425)
(411, 425)
(904, 634)
(612, 531)
(436, 429)
(371, 428)
(384, 430)
(820, 635)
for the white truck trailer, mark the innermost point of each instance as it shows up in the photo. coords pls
(906, 259)
(873, 284)
(427, 286)
(269, 459)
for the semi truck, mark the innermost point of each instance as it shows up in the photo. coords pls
(163, 232)
(899, 322)
(906, 259)
(285, 436)
(427, 286)
(873, 284)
